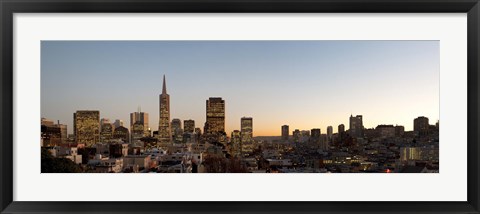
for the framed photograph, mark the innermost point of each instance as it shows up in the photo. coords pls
(240, 106)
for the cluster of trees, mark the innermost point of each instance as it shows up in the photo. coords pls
(51, 164)
(220, 164)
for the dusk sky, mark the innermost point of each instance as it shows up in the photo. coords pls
(304, 84)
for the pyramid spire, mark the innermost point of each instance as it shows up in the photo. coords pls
(164, 89)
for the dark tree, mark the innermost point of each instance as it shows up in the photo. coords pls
(51, 164)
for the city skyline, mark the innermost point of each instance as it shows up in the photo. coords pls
(410, 92)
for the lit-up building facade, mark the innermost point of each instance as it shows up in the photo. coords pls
(164, 128)
(215, 116)
(410, 153)
(236, 143)
(86, 126)
(139, 120)
(121, 133)
(177, 131)
(189, 126)
(137, 132)
(106, 130)
(246, 129)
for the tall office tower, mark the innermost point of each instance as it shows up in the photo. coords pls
(285, 132)
(296, 136)
(215, 116)
(118, 123)
(420, 126)
(137, 132)
(341, 131)
(140, 119)
(177, 131)
(106, 130)
(189, 135)
(86, 127)
(176, 124)
(189, 126)
(329, 133)
(63, 131)
(236, 143)
(246, 129)
(356, 126)
(121, 133)
(341, 128)
(164, 128)
(315, 135)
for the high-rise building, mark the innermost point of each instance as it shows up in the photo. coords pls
(118, 123)
(329, 133)
(324, 141)
(86, 125)
(341, 131)
(140, 117)
(121, 133)
(341, 128)
(215, 116)
(63, 131)
(356, 126)
(285, 132)
(176, 124)
(246, 129)
(164, 128)
(236, 143)
(137, 132)
(315, 136)
(420, 126)
(177, 131)
(296, 136)
(189, 126)
(106, 130)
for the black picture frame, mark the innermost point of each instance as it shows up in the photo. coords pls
(9, 7)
